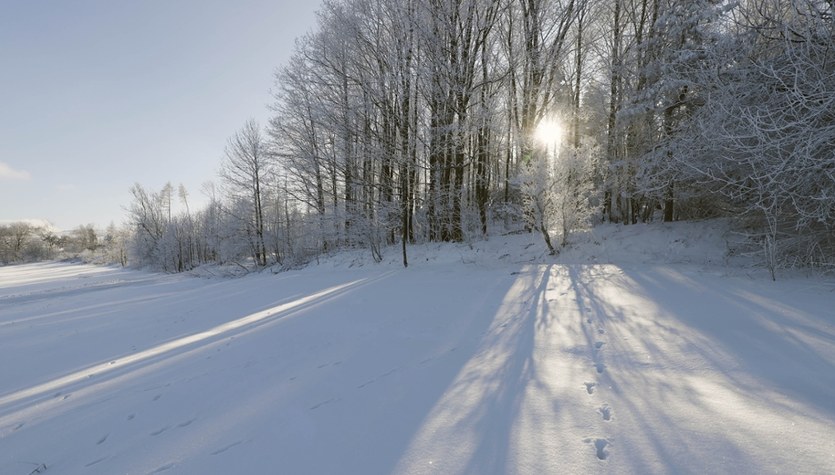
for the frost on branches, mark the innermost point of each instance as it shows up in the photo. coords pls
(764, 138)
(558, 192)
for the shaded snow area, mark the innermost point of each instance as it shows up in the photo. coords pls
(633, 352)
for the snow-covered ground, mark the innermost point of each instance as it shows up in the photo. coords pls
(634, 352)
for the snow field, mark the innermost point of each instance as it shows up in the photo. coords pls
(490, 359)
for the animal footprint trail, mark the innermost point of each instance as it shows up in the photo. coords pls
(381, 376)
(325, 365)
(601, 445)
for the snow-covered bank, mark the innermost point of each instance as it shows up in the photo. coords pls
(698, 243)
(490, 359)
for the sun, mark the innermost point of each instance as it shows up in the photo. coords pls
(549, 132)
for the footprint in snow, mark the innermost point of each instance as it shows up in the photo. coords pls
(59, 394)
(329, 401)
(380, 376)
(41, 467)
(224, 449)
(131, 416)
(599, 344)
(600, 367)
(364, 384)
(601, 331)
(186, 423)
(600, 446)
(156, 398)
(164, 468)
(606, 412)
(590, 387)
(94, 462)
(160, 431)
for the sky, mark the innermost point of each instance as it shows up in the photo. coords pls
(97, 95)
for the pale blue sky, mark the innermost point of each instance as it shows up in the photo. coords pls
(97, 95)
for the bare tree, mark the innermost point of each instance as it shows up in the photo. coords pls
(247, 165)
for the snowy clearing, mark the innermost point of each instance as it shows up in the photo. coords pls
(474, 360)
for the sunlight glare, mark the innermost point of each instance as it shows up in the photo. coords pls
(549, 132)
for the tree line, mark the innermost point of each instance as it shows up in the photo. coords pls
(403, 121)
(24, 242)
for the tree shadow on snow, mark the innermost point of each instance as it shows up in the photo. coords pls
(700, 365)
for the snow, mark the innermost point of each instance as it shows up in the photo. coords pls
(633, 352)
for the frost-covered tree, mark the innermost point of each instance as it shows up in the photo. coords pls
(247, 166)
(558, 191)
(399, 121)
(115, 244)
(763, 138)
(14, 239)
(148, 220)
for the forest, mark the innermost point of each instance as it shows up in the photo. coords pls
(407, 121)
